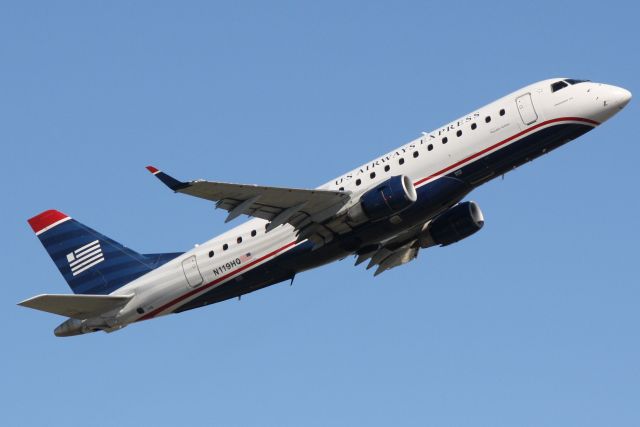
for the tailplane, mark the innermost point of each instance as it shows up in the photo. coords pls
(77, 306)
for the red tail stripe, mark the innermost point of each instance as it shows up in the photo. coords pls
(45, 219)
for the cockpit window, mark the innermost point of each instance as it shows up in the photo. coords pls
(575, 81)
(558, 85)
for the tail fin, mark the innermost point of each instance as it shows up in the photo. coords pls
(90, 262)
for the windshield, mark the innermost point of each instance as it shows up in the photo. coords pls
(575, 81)
(558, 85)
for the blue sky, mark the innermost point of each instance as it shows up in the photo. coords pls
(531, 322)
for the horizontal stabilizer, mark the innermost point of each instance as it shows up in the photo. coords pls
(76, 306)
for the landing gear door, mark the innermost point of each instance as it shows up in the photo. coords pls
(191, 272)
(525, 108)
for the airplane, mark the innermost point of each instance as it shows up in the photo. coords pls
(383, 212)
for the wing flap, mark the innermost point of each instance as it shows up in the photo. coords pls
(76, 306)
(386, 258)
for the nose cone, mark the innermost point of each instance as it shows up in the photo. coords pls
(620, 97)
(609, 100)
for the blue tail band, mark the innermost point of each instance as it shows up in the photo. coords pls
(90, 262)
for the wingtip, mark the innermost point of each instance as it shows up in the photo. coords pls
(46, 220)
(167, 180)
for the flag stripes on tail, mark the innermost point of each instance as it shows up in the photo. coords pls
(90, 262)
(85, 257)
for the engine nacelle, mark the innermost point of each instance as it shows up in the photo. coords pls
(453, 225)
(386, 199)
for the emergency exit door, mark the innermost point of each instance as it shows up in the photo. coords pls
(191, 272)
(525, 108)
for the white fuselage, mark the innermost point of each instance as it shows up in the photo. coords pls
(486, 130)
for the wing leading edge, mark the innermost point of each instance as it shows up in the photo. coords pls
(301, 208)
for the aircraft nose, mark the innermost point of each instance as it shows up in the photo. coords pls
(609, 100)
(620, 97)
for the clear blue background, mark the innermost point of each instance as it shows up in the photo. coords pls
(531, 322)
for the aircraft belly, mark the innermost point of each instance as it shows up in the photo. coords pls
(517, 153)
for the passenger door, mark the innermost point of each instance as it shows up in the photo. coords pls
(191, 272)
(525, 108)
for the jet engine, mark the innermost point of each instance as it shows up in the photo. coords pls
(453, 225)
(385, 199)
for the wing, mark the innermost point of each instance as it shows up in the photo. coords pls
(299, 207)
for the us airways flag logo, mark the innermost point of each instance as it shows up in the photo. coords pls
(85, 257)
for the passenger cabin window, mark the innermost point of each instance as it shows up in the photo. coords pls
(210, 254)
(225, 247)
(239, 240)
(487, 119)
(502, 112)
(401, 161)
(473, 126)
(415, 154)
(459, 133)
(372, 175)
(445, 140)
(430, 147)
(253, 233)
(358, 181)
(386, 168)
(558, 85)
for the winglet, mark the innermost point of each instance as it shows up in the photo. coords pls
(167, 180)
(47, 220)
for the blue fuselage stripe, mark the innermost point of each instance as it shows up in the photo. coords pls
(433, 198)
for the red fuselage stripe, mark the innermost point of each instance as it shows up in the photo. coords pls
(503, 142)
(288, 245)
(216, 281)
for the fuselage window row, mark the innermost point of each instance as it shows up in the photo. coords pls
(430, 147)
(239, 239)
(372, 175)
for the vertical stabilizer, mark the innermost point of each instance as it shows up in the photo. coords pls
(90, 262)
